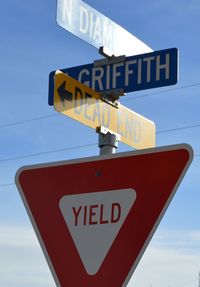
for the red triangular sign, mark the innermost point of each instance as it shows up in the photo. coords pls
(95, 216)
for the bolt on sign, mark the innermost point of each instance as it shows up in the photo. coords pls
(85, 105)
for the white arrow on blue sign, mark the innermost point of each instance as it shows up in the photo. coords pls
(146, 71)
(93, 27)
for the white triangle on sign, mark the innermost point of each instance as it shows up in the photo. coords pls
(94, 220)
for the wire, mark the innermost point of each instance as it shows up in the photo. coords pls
(7, 184)
(28, 121)
(162, 92)
(178, 129)
(92, 144)
(47, 152)
(123, 100)
(88, 145)
(12, 183)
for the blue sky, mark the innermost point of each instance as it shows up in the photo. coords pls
(31, 46)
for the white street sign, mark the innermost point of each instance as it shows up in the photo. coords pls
(93, 27)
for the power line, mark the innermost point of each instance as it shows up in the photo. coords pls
(47, 152)
(7, 184)
(88, 145)
(178, 129)
(162, 92)
(50, 116)
(12, 183)
(123, 100)
(28, 121)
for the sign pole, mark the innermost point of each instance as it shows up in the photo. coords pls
(108, 140)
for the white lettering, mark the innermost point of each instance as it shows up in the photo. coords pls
(96, 114)
(149, 60)
(84, 23)
(94, 26)
(120, 123)
(97, 31)
(97, 75)
(108, 77)
(128, 127)
(80, 77)
(137, 131)
(67, 11)
(116, 74)
(128, 71)
(106, 116)
(87, 106)
(164, 66)
(139, 79)
(91, 24)
(78, 103)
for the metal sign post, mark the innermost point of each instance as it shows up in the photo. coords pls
(108, 140)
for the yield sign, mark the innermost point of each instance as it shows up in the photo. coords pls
(94, 217)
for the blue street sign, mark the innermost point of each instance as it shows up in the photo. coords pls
(141, 72)
(93, 27)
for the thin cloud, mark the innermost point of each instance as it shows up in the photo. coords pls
(22, 262)
(168, 260)
(14, 236)
(172, 258)
(184, 240)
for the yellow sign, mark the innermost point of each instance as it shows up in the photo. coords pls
(85, 105)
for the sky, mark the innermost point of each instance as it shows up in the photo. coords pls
(32, 132)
